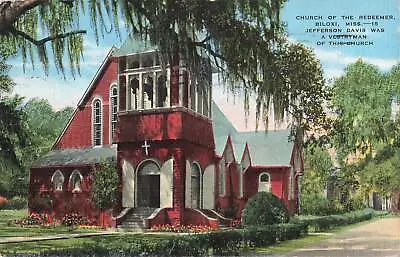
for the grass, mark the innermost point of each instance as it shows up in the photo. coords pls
(7, 230)
(62, 244)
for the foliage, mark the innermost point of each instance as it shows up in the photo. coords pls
(16, 203)
(265, 209)
(40, 203)
(323, 223)
(362, 100)
(244, 39)
(105, 185)
(382, 174)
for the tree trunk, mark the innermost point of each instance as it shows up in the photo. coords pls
(395, 201)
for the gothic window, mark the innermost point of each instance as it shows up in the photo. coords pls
(264, 182)
(195, 180)
(192, 95)
(221, 182)
(241, 171)
(291, 184)
(75, 181)
(200, 98)
(205, 100)
(57, 180)
(162, 92)
(148, 88)
(114, 110)
(97, 122)
(134, 93)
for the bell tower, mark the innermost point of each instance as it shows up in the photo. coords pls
(163, 107)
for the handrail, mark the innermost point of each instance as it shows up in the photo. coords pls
(122, 213)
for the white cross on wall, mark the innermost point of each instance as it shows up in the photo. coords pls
(146, 147)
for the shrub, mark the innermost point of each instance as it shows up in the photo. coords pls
(40, 203)
(16, 203)
(324, 223)
(105, 185)
(319, 205)
(265, 209)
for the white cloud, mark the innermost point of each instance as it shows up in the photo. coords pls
(59, 93)
(339, 58)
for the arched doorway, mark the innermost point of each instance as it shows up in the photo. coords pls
(195, 187)
(148, 184)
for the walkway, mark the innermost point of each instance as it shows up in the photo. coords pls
(377, 239)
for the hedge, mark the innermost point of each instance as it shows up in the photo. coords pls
(226, 242)
(324, 223)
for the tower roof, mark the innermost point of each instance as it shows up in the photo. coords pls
(134, 44)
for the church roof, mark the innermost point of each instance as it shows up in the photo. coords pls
(133, 45)
(76, 157)
(271, 148)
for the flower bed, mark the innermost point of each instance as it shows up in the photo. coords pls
(181, 229)
(34, 219)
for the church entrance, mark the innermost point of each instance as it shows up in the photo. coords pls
(148, 185)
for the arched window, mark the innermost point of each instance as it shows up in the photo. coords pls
(221, 178)
(162, 91)
(264, 182)
(195, 180)
(97, 122)
(57, 180)
(75, 181)
(114, 110)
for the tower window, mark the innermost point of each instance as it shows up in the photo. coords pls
(114, 110)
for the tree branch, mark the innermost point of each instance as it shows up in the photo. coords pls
(42, 41)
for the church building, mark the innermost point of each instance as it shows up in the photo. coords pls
(180, 159)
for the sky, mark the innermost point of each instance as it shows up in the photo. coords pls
(385, 52)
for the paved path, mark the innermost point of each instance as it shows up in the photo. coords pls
(16, 239)
(377, 239)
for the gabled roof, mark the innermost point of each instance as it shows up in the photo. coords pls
(96, 76)
(271, 148)
(76, 157)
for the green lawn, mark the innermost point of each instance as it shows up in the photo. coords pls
(47, 245)
(7, 230)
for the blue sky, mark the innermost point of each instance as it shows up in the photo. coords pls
(385, 53)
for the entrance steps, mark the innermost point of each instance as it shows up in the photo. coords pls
(135, 218)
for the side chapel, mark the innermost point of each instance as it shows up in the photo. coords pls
(180, 160)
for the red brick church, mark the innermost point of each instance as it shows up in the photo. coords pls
(180, 159)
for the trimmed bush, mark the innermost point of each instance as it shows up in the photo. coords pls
(324, 223)
(16, 203)
(265, 209)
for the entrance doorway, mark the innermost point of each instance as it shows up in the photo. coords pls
(148, 185)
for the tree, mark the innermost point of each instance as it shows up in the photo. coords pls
(105, 185)
(318, 166)
(362, 101)
(244, 39)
